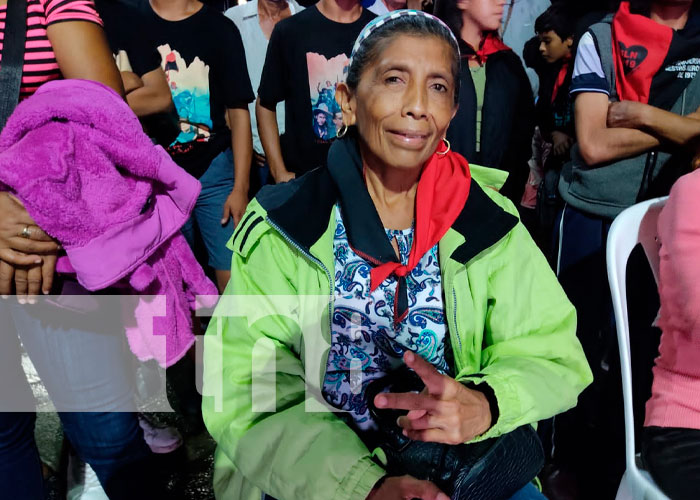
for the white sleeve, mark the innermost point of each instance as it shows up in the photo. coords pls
(588, 74)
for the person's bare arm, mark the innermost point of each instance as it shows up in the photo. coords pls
(597, 142)
(153, 97)
(270, 138)
(242, 145)
(666, 126)
(82, 52)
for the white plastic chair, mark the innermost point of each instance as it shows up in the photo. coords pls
(637, 224)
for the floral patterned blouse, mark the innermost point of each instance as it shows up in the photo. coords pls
(365, 343)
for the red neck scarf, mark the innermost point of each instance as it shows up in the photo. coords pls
(442, 191)
(490, 44)
(640, 47)
(561, 77)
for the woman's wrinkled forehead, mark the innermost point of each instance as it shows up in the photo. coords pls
(380, 22)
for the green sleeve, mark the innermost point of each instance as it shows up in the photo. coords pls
(285, 451)
(531, 358)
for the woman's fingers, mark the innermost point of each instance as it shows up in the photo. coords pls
(406, 401)
(7, 274)
(433, 380)
(33, 246)
(48, 268)
(33, 283)
(416, 414)
(35, 233)
(427, 421)
(21, 284)
(18, 259)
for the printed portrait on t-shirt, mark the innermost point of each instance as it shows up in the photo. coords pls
(324, 76)
(189, 86)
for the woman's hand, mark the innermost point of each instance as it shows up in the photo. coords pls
(29, 280)
(29, 261)
(15, 249)
(445, 412)
(627, 114)
(406, 488)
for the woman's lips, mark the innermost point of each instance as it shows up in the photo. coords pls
(409, 138)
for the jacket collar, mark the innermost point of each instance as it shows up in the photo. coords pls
(301, 208)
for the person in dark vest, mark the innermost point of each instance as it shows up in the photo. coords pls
(636, 94)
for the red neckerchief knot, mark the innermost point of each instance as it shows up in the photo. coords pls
(442, 191)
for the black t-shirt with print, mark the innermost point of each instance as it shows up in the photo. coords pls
(305, 61)
(127, 31)
(204, 62)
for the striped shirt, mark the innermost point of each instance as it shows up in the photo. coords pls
(40, 64)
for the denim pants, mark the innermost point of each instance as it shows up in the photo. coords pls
(87, 373)
(217, 184)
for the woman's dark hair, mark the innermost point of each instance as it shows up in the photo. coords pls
(450, 14)
(556, 19)
(417, 25)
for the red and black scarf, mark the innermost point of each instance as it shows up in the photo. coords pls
(561, 77)
(644, 53)
(490, 44)
(442, 191)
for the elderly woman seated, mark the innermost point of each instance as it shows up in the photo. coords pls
(442, 311)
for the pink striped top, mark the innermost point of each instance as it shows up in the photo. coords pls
(675, 394)
(39, 60)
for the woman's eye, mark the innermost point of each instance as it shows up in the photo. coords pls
(392, 79)
(439, 87)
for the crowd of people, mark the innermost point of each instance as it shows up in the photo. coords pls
(442, 174)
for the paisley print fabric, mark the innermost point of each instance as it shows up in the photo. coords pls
(365, 344)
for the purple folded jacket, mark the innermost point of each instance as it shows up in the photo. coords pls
(76, 156)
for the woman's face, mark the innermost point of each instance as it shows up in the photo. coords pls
(484, 14)
(403, 103)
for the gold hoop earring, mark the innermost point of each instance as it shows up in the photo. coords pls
(447, 145)
(341, 133)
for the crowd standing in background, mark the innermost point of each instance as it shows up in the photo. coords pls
(588, 107)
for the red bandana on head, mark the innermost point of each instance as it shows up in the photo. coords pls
(442, 191)
(640, 46)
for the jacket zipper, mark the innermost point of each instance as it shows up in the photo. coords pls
(312, 259)
(454, 317)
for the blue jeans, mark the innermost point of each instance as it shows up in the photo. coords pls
(217, 184)
(82, 369)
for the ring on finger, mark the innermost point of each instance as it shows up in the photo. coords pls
(26, 232)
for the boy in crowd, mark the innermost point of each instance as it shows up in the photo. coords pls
(307, 54)
(204, 62)
(255, 20)
(554, 107)
(555, 131)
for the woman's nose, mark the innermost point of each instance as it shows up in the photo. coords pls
(416, 101)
